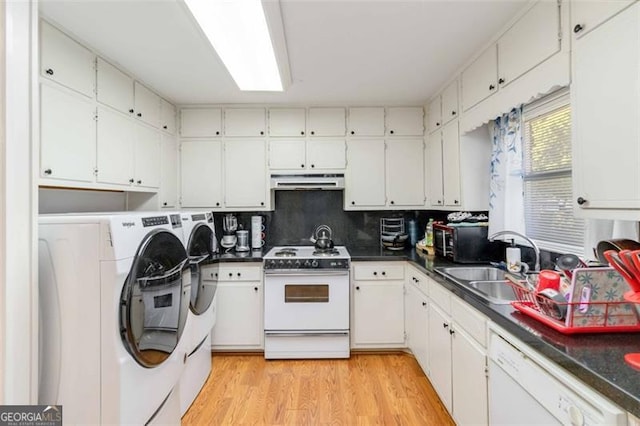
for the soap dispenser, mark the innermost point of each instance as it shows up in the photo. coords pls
(513, 258)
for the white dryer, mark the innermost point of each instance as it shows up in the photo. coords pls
(113, 307)
(201, 246)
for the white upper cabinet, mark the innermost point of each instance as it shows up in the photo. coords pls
(405, 121)
(200, 122)
(405, 173)
(530, 41)
(244, 122)
(312, 155)
(201, 173)
(168, 172)
(366, 121)
(245, 174)
(587, 15)
(450, 102)
(605, 109)
(65, 61)
(435, 114)
(480, 79)
(67, 136)
(364, 188)
(433, 163)
(288, 122)
(327, 122)
(147, 156)
(287, 154)
(116, 148)
(451, 164)
(114, 88)
(326, 154)
(147, 105)
(167, 117)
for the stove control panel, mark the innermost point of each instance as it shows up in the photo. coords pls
(285, 263)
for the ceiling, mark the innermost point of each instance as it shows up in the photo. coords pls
(341, 52)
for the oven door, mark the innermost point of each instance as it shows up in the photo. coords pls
(306, 301)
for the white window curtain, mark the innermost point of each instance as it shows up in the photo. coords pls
(506, 200)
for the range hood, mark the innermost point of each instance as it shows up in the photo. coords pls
(306, 182)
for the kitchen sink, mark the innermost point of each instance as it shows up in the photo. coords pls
(485, 281)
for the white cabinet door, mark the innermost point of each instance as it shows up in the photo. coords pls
(245, 174)
(287, 154)
(469, 380)
(67, 136)
(168, 172)
(244, 122)
(167, 117)
(435, 114)
(288, 122)
(440, 354)
(450, 102)
(201, 173)
(327, 122)
(147, 105)
(366, 121)
(116, 141)
(417, 323)
(147, 157)
(378, 317)
(239, 315)
(405, 172)
(114, 88)
(587, 15)
(480, 79)
(434, 169)
(405, 121)
(605, 90)
(326, 154)
(200, 122)
(65, 61)
(530, 41)
(451, 164)
(364, 176)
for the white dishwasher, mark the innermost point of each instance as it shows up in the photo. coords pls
(526, 389)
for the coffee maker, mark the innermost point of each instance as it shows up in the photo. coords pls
(229, 228)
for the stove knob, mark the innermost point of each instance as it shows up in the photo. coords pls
(307, 263)
(314, 264)
(297, 264)
(281, 263)
(289, 262)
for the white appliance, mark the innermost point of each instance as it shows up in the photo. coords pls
(113, 307)
(201, 244)
(306, 303)
(524, 388)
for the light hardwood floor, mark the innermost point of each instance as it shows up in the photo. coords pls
(386, 389)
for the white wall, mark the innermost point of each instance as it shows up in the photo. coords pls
(18, 198)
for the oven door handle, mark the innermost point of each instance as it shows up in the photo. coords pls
(309, 334)
(312, 272)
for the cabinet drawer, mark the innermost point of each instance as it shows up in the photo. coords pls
(419, 280)
(441, 296)
(230, 272)
(378, 271)
(472, 321)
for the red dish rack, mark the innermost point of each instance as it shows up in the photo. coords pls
(580, 317)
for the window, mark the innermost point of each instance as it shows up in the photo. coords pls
(547, 176)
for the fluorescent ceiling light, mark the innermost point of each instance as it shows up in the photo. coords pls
(238, 31)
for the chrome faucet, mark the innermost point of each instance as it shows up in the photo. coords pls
(536, 267)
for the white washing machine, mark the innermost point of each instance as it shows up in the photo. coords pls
(114, 300)
(199, 237)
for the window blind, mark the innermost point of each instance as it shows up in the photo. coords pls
(547, 176)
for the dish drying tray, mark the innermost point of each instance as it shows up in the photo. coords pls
(391, 226)
(581, 317)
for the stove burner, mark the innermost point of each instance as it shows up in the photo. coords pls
(330, 252)
(286, 252)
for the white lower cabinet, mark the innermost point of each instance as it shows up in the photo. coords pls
(416, 307)
(440, 361)
(239, 308)
(377, 316)
(469, 379)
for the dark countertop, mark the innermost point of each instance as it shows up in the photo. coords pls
(233, 256)
(595, 359)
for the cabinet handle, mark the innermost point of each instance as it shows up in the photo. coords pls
(357, 287)
(313, 133)
(302, 166)
(49, 71)
(239, 274)
(230, 274)
(445, 325)
(255, 289)
(452, 332)
(302, 133)
(217, 132)
(578, 28)
(216, 275)
(139, 114)
(353, 133)
(455, 201)
(353, 203)
(47, 172)
(439, 202)
(131, 180)
(131, 111)
(375, 273)
(491, 87)
(139, 182)
(261, 132)
(384, 273)
(437, 124)
(424, 303)
(392, 202)
(500, 80)
(313, 166)
(164, 204)
(581, 201)
(164, 127)
(390, 131)
(453, 113)
(217, 204)
(262, 203)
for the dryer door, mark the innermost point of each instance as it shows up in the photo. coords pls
(200, 250)
(154, 299)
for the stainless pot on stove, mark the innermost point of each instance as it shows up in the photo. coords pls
(321, 238)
